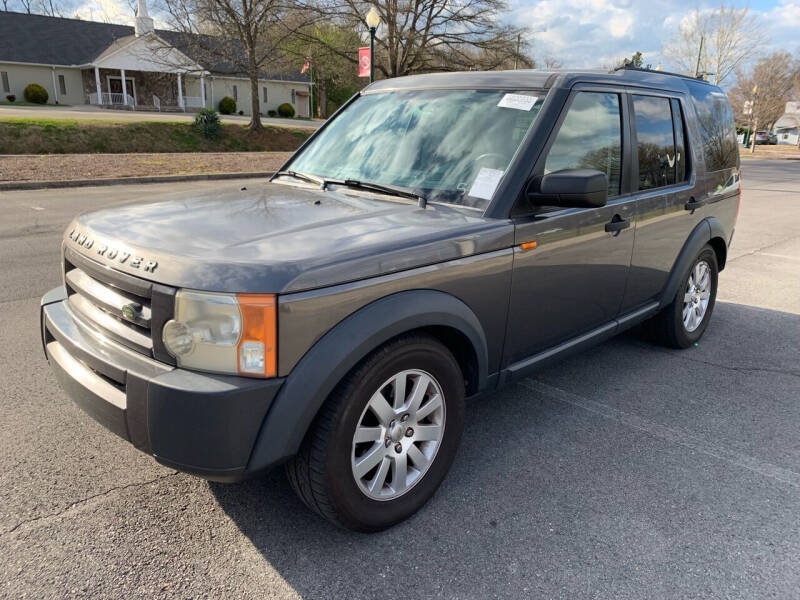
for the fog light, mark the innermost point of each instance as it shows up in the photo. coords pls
(177, 338)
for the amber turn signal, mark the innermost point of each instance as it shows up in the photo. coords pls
(527, 245)
(258, 345)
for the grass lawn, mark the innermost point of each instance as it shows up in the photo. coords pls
(72, 136)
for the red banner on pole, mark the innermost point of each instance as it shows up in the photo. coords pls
(363, 62)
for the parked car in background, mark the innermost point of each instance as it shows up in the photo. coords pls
(441, 236)
(763, 138)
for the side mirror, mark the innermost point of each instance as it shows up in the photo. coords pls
(569, 188)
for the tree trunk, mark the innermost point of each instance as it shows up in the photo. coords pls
(255, 106)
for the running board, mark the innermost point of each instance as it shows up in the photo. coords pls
(525, 367)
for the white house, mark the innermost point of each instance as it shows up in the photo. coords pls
(86, 62)
(787, 128)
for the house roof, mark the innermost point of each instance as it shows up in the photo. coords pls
(788, 121)
(53, 40)
(46, 40)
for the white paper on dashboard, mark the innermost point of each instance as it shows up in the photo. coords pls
(518, 101)
(485, 183)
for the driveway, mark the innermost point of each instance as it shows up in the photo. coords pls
(628, 471)
(93, 113)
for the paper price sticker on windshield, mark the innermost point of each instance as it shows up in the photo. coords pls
(518, 101)
(485, 183)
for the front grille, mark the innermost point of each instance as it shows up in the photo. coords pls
(98, 298)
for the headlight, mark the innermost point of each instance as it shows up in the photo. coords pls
(224, 333)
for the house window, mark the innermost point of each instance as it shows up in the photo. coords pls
(235, 93)
(62, 85)
(294, 96)
(265, 94)
(6, 86)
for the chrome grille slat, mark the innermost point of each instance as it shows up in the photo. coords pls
(96, 296)
(126, 333)
(141, 288)
(108, 298)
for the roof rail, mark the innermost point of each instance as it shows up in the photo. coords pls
(629, 67)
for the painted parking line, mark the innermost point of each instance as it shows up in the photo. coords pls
(668, 434)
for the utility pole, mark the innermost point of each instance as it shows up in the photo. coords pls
(516, 56)
(699, 54)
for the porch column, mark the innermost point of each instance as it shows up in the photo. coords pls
(55, 87)
(212, 92)
(97, 85)
(180, 92)
(203, 89)
(124, 88)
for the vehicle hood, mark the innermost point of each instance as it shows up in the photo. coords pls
(277, 238)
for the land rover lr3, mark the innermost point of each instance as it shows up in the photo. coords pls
(440, 236)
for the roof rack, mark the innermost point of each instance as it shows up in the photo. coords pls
(629, 67)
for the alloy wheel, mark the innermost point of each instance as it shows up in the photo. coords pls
(398, 435)
(696, 296)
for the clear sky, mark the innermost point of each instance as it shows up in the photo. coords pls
(594, 33)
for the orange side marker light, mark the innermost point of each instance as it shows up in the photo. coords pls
(527, 245)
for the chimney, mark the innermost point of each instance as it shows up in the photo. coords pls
(144, 23)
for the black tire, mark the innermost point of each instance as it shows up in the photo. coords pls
(321, 473)
(667, 326)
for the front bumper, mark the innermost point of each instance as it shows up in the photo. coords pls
(199, 423)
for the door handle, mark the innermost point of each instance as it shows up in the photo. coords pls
(693, 204)
(617, 224)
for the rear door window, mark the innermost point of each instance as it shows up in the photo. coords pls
(590, 138)
(656, 141)
(715, 122)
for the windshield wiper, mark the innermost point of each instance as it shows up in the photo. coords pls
(302, 176)
(392, 190)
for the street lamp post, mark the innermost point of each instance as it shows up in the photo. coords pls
(373, 20)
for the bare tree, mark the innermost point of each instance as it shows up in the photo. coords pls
(322, 45)
(714, 42)
(426, 35)
(551, 64)
(51, 8)
(775, 76)
(240, 36)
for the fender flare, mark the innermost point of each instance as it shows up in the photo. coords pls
(319, 371)
(700, 236)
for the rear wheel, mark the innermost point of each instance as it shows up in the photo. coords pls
(385, 439)
(684, 321)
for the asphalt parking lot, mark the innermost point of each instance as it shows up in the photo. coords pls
(629, 471)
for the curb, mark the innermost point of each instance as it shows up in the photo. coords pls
(767, 157)
(41, 185)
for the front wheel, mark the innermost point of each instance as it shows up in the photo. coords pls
(684, 321)
(385, 439)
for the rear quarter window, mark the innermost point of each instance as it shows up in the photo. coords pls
(716, 126)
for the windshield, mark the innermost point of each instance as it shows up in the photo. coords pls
(448, 145)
